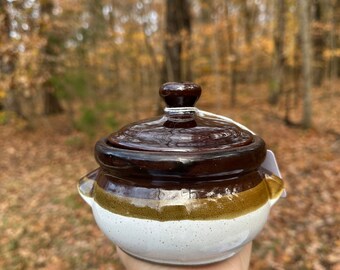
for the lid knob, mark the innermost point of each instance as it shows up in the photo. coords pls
(177, 94)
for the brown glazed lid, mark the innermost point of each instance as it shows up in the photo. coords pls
(183, 144)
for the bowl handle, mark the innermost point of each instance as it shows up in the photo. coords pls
(275, 188)
(86, 185)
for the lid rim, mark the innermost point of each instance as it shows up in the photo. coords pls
(127, 163)
(245, 148)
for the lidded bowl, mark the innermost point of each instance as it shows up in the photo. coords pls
(188, 187)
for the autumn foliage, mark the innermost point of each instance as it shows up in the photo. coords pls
(73, 71)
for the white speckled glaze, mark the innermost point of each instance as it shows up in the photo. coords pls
(180, 242)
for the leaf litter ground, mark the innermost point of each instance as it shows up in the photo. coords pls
(45, 224)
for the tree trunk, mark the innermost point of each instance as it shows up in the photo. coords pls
(16, 99)
(318, 40)
(305, 33)
(176, 66)
(232, 56)
(276, 86)
(177, 38)
(217, 58)
(249, 13)
(149, 48)
(248, 22)
(297, 70)
(116, 73)
(51, 104)
(334, 40)
(8, 61)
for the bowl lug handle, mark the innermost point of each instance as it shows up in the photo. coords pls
(86, 185)
(275, 187)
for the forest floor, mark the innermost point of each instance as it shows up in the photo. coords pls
(45, 224)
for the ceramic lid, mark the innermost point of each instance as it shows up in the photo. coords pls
(184, 142)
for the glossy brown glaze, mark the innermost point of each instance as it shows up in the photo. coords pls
(192, 134)
(174, 166)
(183, 145)
(180, 94)
(146, 189)
(182, 129)
(212, 200)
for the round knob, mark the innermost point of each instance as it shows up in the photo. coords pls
(177, 94)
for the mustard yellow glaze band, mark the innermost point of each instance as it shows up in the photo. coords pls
(219, 207)
(275, 186)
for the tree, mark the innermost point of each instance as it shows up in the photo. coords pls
(8, 57)
(29, 92)
(318, 42)
(249, 13)
(303, 9)
(334, 45)
(276, 86)
(176, 65)
(13, 43)
(232, 55)
(51, 52)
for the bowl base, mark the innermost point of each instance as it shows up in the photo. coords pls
(185, 263)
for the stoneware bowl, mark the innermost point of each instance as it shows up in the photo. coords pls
(185, 188)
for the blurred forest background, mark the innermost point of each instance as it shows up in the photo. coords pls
(74, 71)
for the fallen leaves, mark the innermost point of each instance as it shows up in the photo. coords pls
(46, 225)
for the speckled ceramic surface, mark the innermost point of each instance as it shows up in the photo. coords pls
(185, 242)
(180, 230)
